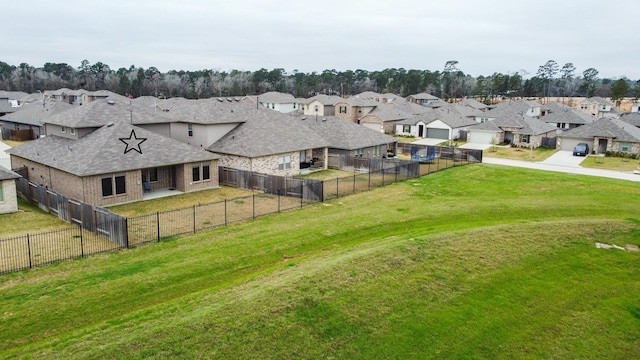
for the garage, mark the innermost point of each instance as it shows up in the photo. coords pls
(376, 127)
(434, 133)
(568, 144)
(481, 137)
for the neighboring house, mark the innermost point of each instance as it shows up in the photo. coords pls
(383, 118)
(602, 135)
(423, 99)
(631, 118)
(354, 108)
(6, 107)
(271, 143)
(281, 102)
(446, 123)
(80, 96)
(512, 129)
(598, 107)
(349, 139)
(635, 107)
(473, 104)
(565, 118)
(112, 164)
(27, 123)
(521, 107)
(321, 105)
(8, 194)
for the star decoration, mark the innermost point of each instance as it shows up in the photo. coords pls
(133, 142)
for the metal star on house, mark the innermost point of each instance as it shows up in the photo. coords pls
(133, 142)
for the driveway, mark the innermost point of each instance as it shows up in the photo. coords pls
(428, 141)
(564, 158)
(4, 157)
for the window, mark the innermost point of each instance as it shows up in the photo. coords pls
(406, 128)
(108, 185)
(63, 129)
(206, 172)
(343, 109)
(359, 110)
(1, 196)
(358, 152)
(625, 147)
(150, 175)
(315, 108)
(294, 105)
(376, 151)
(284, 162)
(73, 131)
(524, 139)
(190, 128)
(303, 156)
(273, 106)
(483, 120)
(195, 173)
(583, 106)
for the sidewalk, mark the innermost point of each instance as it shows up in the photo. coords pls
(562, 168)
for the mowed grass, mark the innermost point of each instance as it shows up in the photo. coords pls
(478, 261)
(519, 153)
(611, 163)
(28, 219)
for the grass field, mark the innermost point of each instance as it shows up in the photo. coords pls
(517, 153)
(479, 261)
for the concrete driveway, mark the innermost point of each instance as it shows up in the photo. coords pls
(564, 158)
(474, 146)
(428, 141)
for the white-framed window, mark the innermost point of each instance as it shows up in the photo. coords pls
(343, 109)
(483, 120)
(303, 156)
(284, 162)
(406, 129)
(376, 151)
(524, 139)
(190, 129)
(358, 152)
(201, 172)
(625, 147)
(72, 131)
(63, 129)
(316, 108)
(584, 106)
(1, 193)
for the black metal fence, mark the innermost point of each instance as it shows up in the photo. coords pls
(105, 233)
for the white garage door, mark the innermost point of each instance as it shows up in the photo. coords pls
(569, 143)
(434, 133)
(478, 137)
(376, 127)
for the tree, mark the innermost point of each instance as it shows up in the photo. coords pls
(589, 82)
(619, 90)
(566, 80)
(547, 72)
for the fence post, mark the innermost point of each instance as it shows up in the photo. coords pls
(225, 212)
(126, 232)
(81, 242)
(354, 183)
(369, 183)
(194, 219)
(254, 205)
(158, 224)
(337, 188)
(301, 195)
(278, 193)
(29, 250)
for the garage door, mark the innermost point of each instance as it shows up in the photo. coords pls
(477, 137)
(433, 133)
(569, 143)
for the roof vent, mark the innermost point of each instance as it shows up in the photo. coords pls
(110, 102)
(110, 124)
(220, 99)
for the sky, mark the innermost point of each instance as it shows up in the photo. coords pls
(485, 37)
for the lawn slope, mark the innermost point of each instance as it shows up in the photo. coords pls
(479, 261)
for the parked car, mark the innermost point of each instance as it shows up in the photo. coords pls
(581, 149)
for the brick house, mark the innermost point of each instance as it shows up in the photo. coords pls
(8, 195)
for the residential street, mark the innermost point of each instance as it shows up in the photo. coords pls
(559, 167)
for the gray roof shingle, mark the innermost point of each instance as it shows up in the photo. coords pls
(35, 113)
(101, 151)
(606, 127)
(6, 174)
(344, 134)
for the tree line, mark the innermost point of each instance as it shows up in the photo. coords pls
(550, 80)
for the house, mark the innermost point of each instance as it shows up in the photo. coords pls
(350, 139)
(423, 99)
(354, 108)
(383, 118)
(27, 122)
(632, 118)
(281, 102)
(635, 107)
(271, 143)
(565, 117)
(321, 105)
(111, 164)
(446, 123)
(80, 96)
(511, 129)
(598, 107)
(8, 194)
(603, 135)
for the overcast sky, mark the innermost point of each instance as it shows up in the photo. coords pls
(488, 36)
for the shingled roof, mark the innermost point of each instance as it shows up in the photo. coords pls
(344, 134)
(102, 152)
(35, 113)
(606, 127)
(266, 133)
(526, 125)
(6, 174)
(449, 115)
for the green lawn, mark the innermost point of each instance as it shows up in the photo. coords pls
(611, 163)
(478, 261)
(28, 219)
(517, 153)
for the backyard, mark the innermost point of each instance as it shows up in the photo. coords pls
(402, 271)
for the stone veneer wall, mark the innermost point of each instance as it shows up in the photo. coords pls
(262, 164)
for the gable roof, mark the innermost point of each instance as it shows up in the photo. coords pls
(266, 133)
(631, 118)
(423, 96)
(472, 103)
(606, 127)
(449, 115)
(525, 125)
(386, 112)
(344, 134)
(201, 111)
(102, 152)
(409, 107)
(324, 99)
(567, 115)
(599, 100)
(272, 97)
